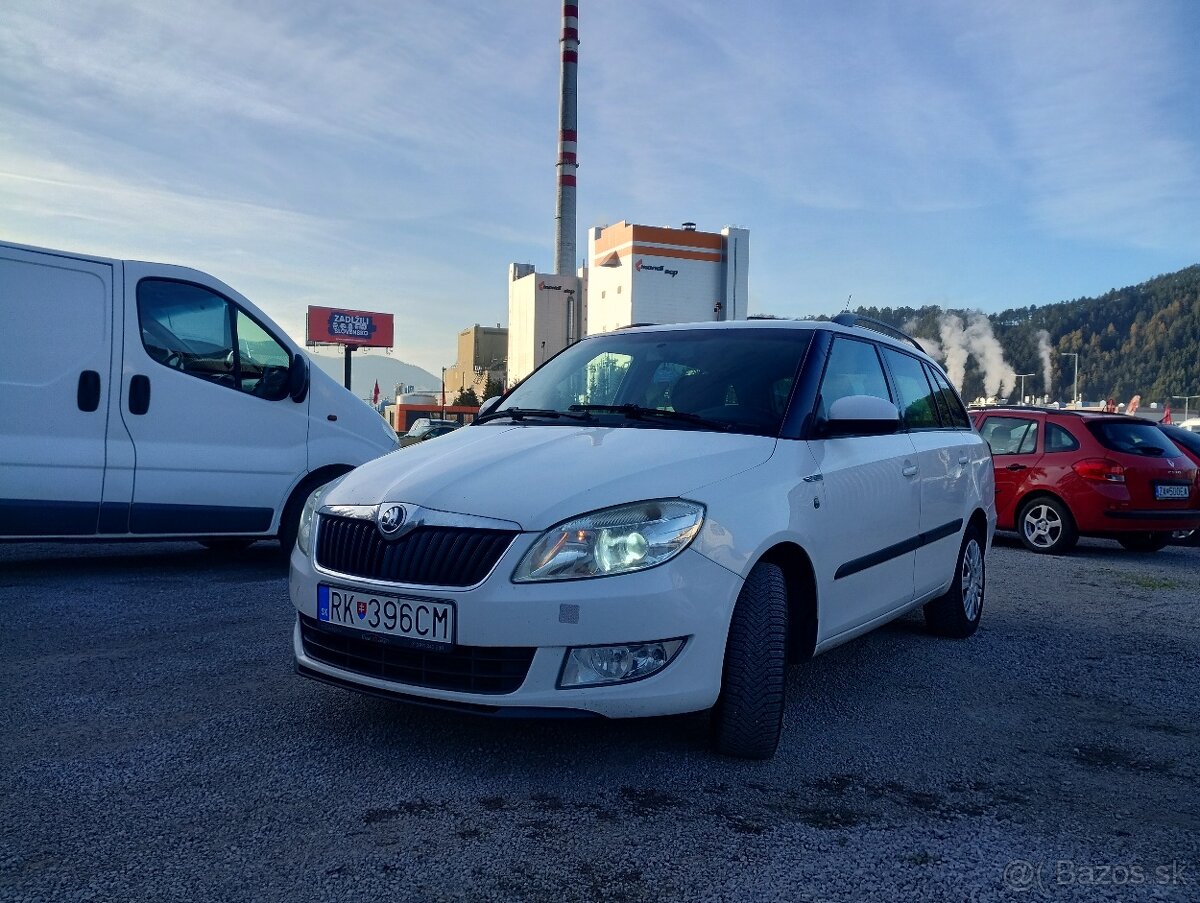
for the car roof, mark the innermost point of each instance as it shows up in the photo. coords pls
(1084, 415)
(857, 331)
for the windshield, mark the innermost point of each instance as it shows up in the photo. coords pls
(732, 380)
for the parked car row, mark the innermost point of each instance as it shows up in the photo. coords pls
(1062, 474)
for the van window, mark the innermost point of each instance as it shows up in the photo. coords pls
(916, 397)
(194, 330)
(853, 369)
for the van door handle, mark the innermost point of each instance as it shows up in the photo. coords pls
(964, 459)
(1015, 467)
(910, 470)
(87, 396)
(139, 394)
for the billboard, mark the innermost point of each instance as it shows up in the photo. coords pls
(361, 328)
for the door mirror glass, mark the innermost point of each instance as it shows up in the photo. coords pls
(298, 378)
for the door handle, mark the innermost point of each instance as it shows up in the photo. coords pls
(910, 470)
(87, 396)
(139, 394)
(1015, 467)
(964, 459)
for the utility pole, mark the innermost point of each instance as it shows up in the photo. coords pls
(1022, 377)
(1186, 399)
(1074, 385)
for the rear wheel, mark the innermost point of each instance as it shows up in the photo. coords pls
(1046, 526)
(1144, 542)
(748, 716)
(957, 613)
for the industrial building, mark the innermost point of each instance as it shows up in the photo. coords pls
(651, 274)
(546, 313)
(482, 352)
(632, 274)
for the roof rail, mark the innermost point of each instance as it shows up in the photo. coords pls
(845, 318)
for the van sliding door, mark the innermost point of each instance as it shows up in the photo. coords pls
(55, 385)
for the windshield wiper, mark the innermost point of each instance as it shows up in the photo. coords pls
(519, 414)
(638, 412)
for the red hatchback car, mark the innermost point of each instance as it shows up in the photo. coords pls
(1061, 474)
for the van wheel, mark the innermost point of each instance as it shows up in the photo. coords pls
(227, 546)
(748, 716)
(957, 613)
(1144, 542)
(1046, 526)
(289, 521)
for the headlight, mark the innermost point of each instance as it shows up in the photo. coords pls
(307, 516)
(613, 541)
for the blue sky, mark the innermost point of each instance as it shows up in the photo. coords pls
(397, 156)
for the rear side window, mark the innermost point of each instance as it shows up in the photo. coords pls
(916, 397)
(1010, 435)
(1059, 440)
(1132, 437)
(853, 368)
(950, 404)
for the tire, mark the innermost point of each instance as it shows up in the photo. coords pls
(289, 520)
(957, 613)
(748, 716)
(227, 546)
(1045, 525)
(1144, 541)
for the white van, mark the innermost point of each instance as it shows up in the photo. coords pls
(147, 401)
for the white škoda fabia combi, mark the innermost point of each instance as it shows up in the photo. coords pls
(658, 520)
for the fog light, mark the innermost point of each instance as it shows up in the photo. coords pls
(591, 666)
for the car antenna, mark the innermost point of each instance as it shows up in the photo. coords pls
(846, 310)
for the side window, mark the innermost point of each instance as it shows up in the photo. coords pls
(263, 363)
(1010, 435)
(191, 329)
(916, 397)
(949, 401)
(1059, 440)
(853, 368)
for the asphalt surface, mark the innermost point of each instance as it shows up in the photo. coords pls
(155, 744)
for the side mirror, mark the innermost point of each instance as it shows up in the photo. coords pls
(298, 378)
(487, 405)
(861, 415)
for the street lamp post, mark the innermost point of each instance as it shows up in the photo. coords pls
(443, 393)
(1022, 377)
(1186, 399)
(1074, 385)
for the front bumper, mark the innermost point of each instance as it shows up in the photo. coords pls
(689, 596)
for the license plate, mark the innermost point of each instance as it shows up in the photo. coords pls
(1170, 492)
(420, 620)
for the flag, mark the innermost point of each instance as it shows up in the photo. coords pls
(1167, 415)
(375, 396)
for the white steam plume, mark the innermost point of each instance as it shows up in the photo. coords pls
(932, 346)
(954, 348)
(999, 379)
(1043, 338)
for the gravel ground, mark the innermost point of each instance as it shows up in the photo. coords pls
(156, 745)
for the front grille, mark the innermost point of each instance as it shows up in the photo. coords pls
(468, 669)
(428, 556)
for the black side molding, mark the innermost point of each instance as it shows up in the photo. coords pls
(900, 548)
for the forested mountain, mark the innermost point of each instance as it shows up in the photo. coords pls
(1142, 340)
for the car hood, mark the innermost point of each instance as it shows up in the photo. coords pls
(536, 476)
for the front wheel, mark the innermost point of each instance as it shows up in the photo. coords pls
(957, 613)
(1046, 525)
(1144, 541)
(748, 716)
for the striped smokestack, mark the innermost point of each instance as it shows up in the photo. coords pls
(568, 116)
